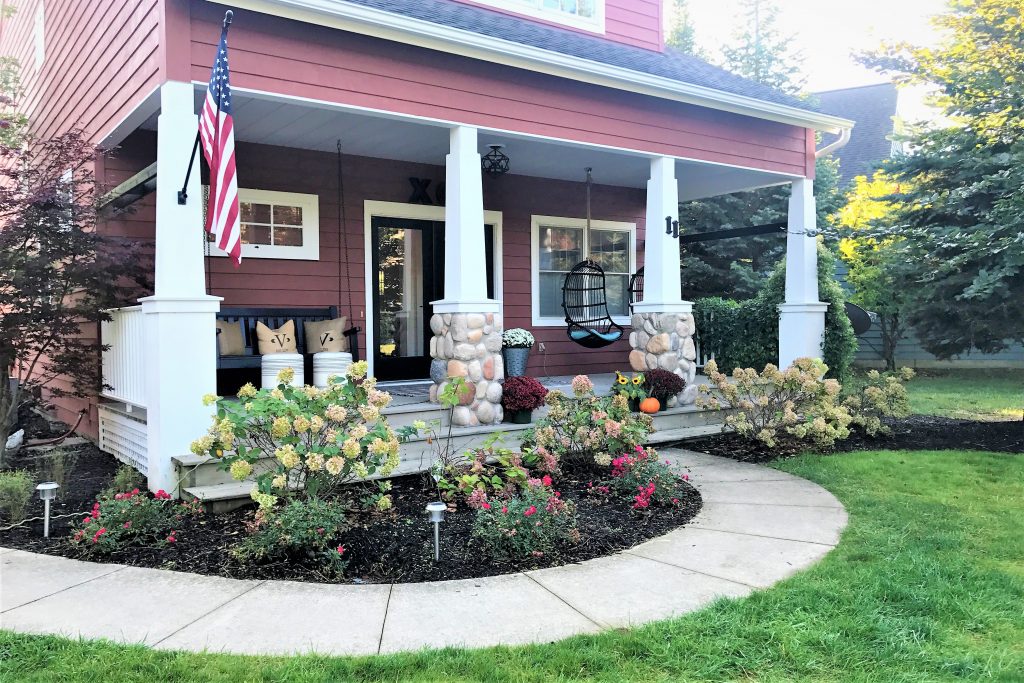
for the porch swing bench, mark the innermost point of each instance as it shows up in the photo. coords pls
(275, 317)
(585, 303)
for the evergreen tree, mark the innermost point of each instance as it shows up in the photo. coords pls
(760, 52)
(683, 35)
(959, 223)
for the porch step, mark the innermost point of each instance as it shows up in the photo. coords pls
(200, 477)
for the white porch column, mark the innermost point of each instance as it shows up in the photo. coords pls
(802, 317)
(181, 360)
(466, 324)
(662, 335)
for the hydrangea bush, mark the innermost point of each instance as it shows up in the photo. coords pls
(305, 442)
(517, 338)
(132, 519)
(881, 395)
(585, 429)
(774, 404)
(530, 524)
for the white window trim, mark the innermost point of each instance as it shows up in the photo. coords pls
(536, 222)
(595, 24)
(310, 249)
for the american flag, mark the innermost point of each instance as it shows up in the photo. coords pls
(217, 131)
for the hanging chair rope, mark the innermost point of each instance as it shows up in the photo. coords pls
(353, 332)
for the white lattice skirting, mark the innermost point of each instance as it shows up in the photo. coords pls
(124, 437)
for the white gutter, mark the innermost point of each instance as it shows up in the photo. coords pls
(844, 137)
(399, 28)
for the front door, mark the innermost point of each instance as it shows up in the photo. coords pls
(408, 269)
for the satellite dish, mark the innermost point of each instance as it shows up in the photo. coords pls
(859, 318)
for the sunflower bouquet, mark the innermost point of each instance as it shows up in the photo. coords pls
(632, 387)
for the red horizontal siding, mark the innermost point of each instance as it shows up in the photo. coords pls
(632, 22)
(291, 58)
(102, 57)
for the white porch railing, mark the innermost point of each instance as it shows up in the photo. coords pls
(124, 362)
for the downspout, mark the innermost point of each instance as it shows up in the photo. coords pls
(844, 137)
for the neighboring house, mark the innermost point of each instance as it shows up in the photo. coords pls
(874, 108)
(415, 91)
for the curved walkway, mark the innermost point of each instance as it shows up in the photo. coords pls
(757, 527)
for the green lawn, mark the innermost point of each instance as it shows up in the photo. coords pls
(926, 585)
(970, 394)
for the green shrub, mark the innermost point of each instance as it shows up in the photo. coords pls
(746, 334)
(530, 524)
(132, 518)
(127, 478)
(15, 492)
(585, 428)
(305, 531)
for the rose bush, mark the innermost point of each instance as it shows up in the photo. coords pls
(530, 524)
(306, 531)
(132, 519)
(645, 480)
(795, 403)
(305, 442)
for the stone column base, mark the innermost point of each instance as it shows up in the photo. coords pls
(665, 341)
(468, 345)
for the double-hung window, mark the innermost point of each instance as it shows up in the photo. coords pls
(560, 243)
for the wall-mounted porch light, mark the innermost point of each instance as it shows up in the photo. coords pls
(436, 511)
(495, 162)
(47, 492)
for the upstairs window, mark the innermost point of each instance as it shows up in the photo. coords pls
(584, 14)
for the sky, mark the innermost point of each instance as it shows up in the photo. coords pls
(828, 32)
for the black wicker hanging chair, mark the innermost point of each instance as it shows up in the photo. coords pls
(636, 288)
(585, 303)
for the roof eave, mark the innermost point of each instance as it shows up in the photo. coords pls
(404, 29)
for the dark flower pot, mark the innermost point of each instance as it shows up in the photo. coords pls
(515, 361)
(521, 417)
(634, 405)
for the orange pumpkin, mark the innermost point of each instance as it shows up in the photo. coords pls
(650, 405)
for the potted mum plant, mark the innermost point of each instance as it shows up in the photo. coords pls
(630, 387)
(515, 347)
(663, 385)
(520, 397)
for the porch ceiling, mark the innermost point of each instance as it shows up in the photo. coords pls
(315, 126)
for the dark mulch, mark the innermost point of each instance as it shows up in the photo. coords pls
(917, 432)
(393, 547)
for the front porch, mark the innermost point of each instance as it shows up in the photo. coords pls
(375, 207)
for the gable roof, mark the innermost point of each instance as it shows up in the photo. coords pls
(873, 108)
(669, 64)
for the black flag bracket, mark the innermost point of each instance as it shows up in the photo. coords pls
(183, 192)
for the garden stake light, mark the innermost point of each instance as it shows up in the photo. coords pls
(47, 492)
(436, 510)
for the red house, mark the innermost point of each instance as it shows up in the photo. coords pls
(359, 127)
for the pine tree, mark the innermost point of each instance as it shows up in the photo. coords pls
(760, 52)
(683, 34)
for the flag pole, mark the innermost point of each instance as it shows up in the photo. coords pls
(183, 192)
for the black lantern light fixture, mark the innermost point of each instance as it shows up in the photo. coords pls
(495, 162)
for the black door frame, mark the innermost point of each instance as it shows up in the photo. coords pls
(432, 231)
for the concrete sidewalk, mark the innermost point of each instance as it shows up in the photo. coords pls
(757, 527)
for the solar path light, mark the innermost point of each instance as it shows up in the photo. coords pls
(47, 492)
(436, 510)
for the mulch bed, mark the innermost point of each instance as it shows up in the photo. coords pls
(383, 548)
(917, 432)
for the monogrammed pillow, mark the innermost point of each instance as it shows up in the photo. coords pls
(229, 338)
(326, 335)
(281, 340)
